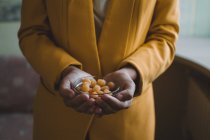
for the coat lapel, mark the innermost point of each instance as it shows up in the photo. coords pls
(114, 36)
(81, 32)
(99, 58)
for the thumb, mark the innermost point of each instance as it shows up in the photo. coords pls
(127, 93)
(65, 88)
(124, 95)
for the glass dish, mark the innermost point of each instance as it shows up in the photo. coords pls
(78, 83)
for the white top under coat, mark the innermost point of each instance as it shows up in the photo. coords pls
(99, 14)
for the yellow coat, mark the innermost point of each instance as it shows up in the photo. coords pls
(57, 33)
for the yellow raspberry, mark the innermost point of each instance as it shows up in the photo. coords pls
(86, 81)
(101, 82)
(85, 88)
(111, 85)
(96, 88)
(106, 91)
(104, 87)
(93, 83)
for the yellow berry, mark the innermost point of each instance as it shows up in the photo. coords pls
(90, 90)
(101, 82)
(96, 88)
(94, 92)
(86, 80)
(106, 91)
(86, 83)
(85, 88)
(93, 82)
(104, 87)
(100, 92)
(111, 85)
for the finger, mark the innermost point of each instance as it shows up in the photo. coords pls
(124, 95)
(87, 106)
(65, 88)
(114, 102)
(106, 109)
(127, 92)
(77, 100)
(68, 94)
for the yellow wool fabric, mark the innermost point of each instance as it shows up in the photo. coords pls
(57, 33)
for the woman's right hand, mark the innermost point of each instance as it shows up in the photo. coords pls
(81, 102)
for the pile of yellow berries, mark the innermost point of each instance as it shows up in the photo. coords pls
(98, 87)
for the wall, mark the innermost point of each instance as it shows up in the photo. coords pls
(9, 24)
(195, 20)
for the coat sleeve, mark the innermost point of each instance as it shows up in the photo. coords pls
(37, 46)
(157, 53)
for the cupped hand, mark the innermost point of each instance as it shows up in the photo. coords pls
(79, 102)
(111, 104)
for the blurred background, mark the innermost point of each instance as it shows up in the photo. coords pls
(195, 20)
(181, 93)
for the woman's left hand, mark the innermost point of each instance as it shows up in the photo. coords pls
(111, 104)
